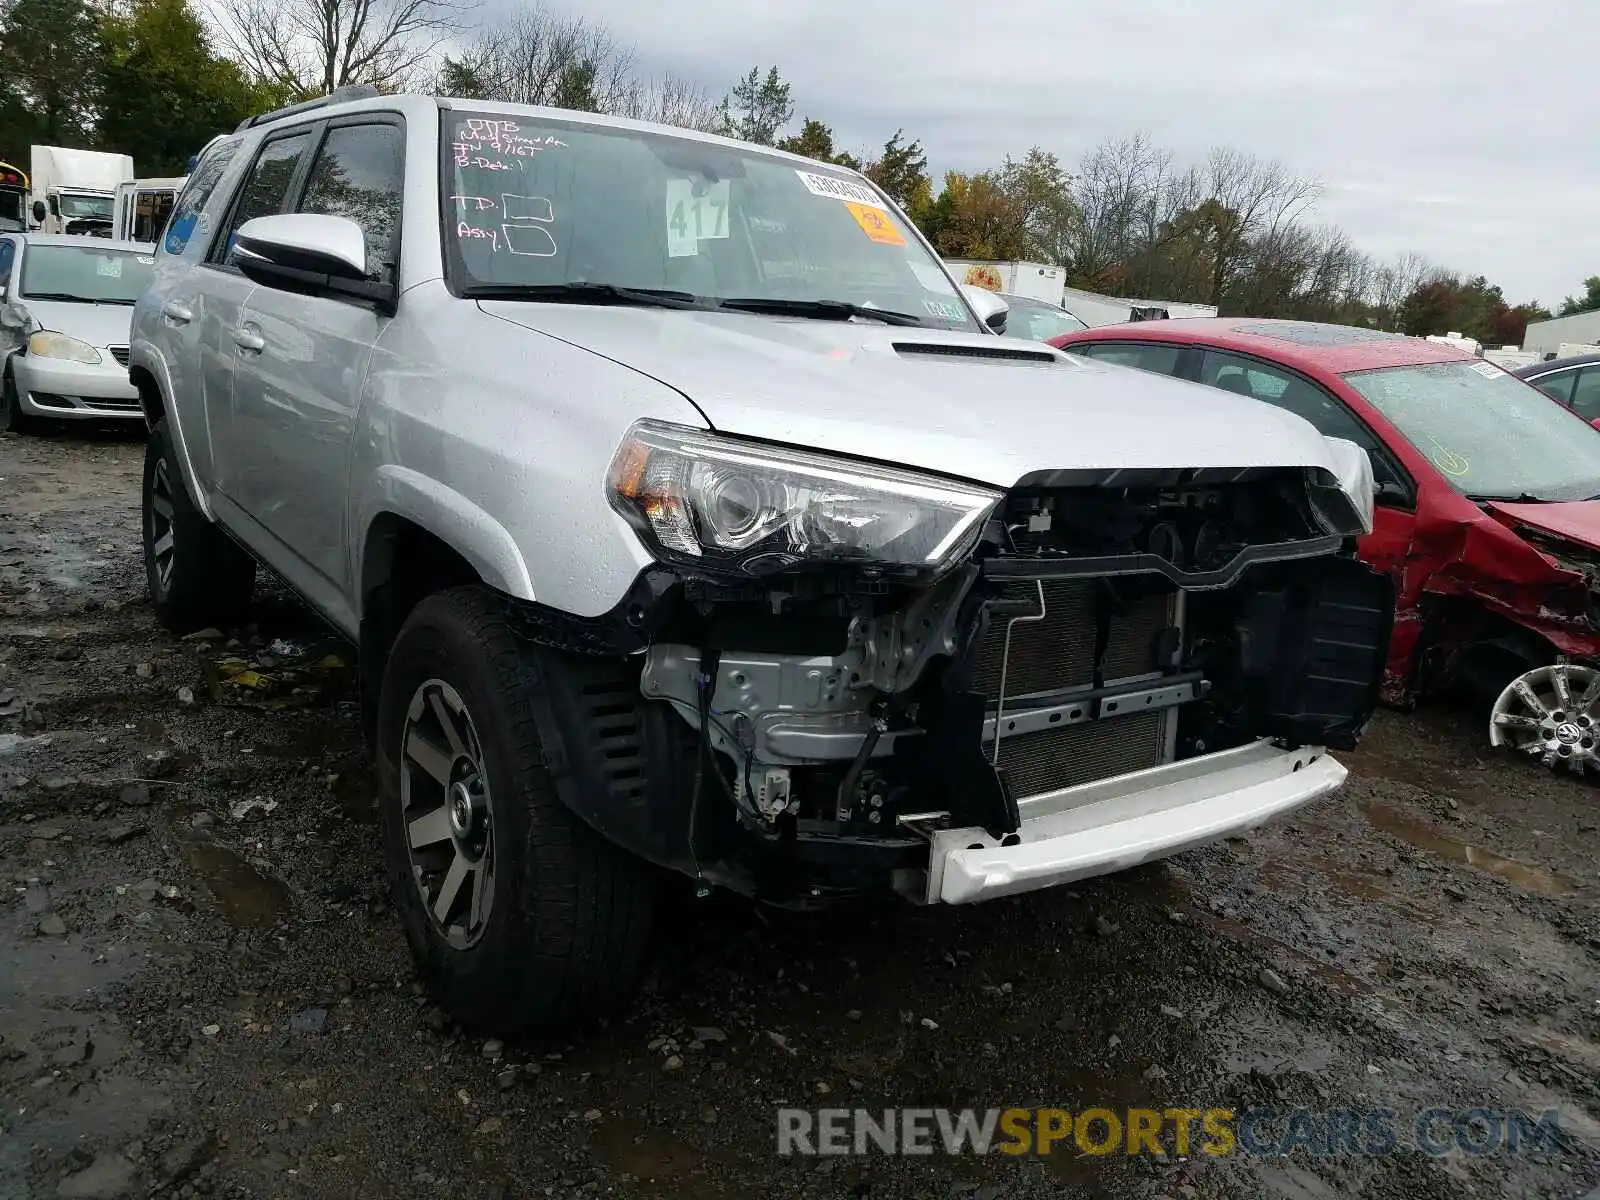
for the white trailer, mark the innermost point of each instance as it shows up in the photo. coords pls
(1036, 281)
(74, 191)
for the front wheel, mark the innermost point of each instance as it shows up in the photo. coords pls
(197, 576)
(12, 418)
(518, 914)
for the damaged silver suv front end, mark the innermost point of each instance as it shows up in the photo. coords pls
(962, 692)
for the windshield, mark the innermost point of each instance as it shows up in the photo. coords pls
(90, 273)
(75, 205)
(1037, 320)
(540, 203)
(1490, 434)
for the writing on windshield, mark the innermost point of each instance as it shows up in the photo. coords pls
(541, 203)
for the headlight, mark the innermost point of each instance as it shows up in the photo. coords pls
(745, 508)
(59, 345)
(1343, 503)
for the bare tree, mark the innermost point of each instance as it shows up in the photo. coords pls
(671, 100)
(310, 47)
(1248, 200)
(538, 56)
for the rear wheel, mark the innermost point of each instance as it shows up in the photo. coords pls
(197, 575)
(12, 418)
(519, 915)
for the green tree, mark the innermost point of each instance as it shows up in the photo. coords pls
(815, 140)
(902, 171)
(1588, 302)
(757, 109)
(164, 91)
(461, 78)
(50, 56)
(575, 87)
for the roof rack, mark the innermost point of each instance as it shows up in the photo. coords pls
(353, 91)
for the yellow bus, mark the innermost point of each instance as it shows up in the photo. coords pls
(13, 199)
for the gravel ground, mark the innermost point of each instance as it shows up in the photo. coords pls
(203, 990)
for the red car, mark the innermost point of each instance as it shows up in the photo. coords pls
(1488, 505)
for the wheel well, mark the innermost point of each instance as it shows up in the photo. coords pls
(151, 402)
(401, 566)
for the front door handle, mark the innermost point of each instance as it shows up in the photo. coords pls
(178, 314)
(248, 339)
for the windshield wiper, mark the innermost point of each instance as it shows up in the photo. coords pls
(67, 297)
(823, 310)
(583, 292)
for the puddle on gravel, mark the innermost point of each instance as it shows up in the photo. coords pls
(1426, 837)
(651, 1157)
(249, 898)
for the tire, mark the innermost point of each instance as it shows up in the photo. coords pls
(561, 929)
(12, 418)
(197, 576)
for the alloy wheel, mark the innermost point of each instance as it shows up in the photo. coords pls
(449, 820)
(162, 530)
(1548, 713)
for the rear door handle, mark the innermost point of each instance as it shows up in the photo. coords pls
(178, 314)
(247, 339)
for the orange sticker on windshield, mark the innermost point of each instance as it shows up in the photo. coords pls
(876, 224)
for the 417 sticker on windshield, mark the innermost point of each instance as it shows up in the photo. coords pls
(695, 215)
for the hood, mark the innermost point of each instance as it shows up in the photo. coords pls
(1577, 521)
(98, 324)
(983, 408)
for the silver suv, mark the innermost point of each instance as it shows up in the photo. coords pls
(687, 516)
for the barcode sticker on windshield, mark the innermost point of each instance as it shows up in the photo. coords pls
(832, 188)
(111, 268)
(1487, 369)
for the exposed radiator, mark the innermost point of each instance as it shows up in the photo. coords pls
(1058, 758)
(1058, 652)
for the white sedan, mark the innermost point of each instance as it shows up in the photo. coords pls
(65, 305)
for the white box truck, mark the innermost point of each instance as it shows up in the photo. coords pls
(74, 191)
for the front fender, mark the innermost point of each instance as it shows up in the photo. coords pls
(448, 515)
(143, 358)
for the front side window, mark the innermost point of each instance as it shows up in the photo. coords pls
(8, 256)
(186, 213)
(1146, 356)
(266, 188)
(86, 274)
(360, 173)
(537, 203)
(1285, 390)
(1489, 433)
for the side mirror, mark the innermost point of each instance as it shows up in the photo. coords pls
(1390, 494)
(310, 254)
(991, 309)
(55, 206)
(40, 212)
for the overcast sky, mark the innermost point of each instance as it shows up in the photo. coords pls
(1465, 130)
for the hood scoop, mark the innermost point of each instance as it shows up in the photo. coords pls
(985, 353)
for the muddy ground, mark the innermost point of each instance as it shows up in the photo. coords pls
(203, 990)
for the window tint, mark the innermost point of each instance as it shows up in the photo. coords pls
(1148, 356)
(1558, 387)
(1586, 395)
(266, 188)
(1280, 388)
(186, 214)
(8, 256)
(359, 173)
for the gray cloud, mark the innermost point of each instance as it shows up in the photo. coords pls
(1459, 129)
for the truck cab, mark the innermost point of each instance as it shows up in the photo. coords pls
(74, 191)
